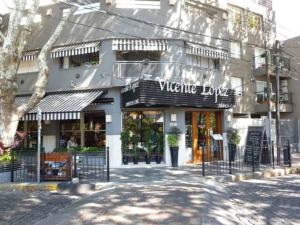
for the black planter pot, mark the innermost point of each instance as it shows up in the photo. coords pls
(135, 160)
(125, 159)
(232, 151)
(158, 159)
(147, 159)
(174, 156)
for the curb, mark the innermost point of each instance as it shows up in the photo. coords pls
(268, 173)
(29, 187)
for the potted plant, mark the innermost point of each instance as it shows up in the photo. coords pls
(233, 140)
(125, 137)
(172, 139)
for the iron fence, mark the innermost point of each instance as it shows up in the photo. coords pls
(93, 165)
(22, 166)
(236, 159)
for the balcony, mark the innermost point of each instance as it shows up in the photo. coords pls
(260, 67)
(286, 102)
(266, 3)
(128, 71)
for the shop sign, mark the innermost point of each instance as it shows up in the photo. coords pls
(192, 89)
(163, 93)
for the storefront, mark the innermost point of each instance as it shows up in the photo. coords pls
(197, 111)
(64, 117)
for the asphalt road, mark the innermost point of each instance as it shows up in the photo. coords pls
(272, 201)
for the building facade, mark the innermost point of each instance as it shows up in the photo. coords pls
(147, 67)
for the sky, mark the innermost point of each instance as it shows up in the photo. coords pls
(287, 17)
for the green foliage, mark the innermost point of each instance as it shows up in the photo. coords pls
(6, 157)
(125, 139)
(173, 137)
(79, 149)
(233, 136)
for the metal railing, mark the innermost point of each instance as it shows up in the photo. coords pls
(22, 166)
(285, 98)
(266, 3)
(94, 165)
(236, 159)
(154, 70)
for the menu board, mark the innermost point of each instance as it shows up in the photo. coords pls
(256, 139)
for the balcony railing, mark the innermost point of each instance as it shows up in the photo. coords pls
(126, 70)
(266, 3)
(285, 98)
(260, 61)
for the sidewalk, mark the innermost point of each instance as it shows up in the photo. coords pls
(152, 174)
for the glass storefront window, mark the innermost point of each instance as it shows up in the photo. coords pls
(146, 134)
(69, 128)
(94, 129)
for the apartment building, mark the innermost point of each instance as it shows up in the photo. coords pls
(149, 66)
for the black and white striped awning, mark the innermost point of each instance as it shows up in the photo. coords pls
(139, 45)
(61, 106)
(29, 56)
(76, 49)
(208, 52)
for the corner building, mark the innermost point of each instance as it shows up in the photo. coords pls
(148, 67)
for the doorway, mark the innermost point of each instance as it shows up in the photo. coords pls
(204, 125)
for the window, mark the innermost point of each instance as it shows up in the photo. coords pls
(235, 50)
(216, 64)
(145, 132)
(236, 16)
(94, 130)
(79, 60)
(259, 60)
(68, 128)
(138, 56)
(262, 91)
(254, 21)
(203, 62)
(237, 85)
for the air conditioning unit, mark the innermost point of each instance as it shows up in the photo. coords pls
(172, 2)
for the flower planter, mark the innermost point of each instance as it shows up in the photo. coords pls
(125, 159)
(232, 151)
(135, 160)
(158, 159)
(147, 159)
(174, 156)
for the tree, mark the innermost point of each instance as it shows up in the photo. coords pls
(14, 41)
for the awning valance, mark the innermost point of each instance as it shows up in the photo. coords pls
(200, 50)
(139, 45)
(76, 49)
(29, 56)
(61, 106)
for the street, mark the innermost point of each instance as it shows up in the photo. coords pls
(272, 201)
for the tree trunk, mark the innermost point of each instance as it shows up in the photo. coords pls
(9, 121)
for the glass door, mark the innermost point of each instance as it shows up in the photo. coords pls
(204, 125)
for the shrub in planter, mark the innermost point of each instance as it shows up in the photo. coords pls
(233, 140)
(172, 139)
